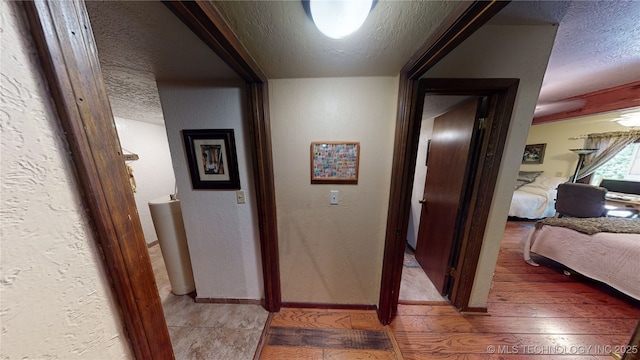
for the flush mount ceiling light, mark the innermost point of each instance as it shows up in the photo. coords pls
(338, 18)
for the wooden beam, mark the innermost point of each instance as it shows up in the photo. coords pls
(616, 98)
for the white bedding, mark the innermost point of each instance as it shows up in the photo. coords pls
(606, 257)
(536, 200)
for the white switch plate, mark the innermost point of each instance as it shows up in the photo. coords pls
(334, 197)
(240, 196)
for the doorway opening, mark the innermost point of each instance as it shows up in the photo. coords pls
(71, 65)
(477, 186)
(416, 286)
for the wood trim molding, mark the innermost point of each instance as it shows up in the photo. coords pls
(67, 49)
(406, 137)
(463, 21)
(305, 305)
(260, 128)
(65, 42)
(503, 92)
(476, 311)
(200, 300)
(616, 98)
(458, 26)
(205, 21)
(420, 302)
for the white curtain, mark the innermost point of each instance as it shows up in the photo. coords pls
(608, 145)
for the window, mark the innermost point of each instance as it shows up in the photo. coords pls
(624, 166)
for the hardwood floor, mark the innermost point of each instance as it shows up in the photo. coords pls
(316, 334)
(533, 313)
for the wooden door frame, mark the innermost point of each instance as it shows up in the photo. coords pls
(206, 22)
(459, 25)
(62, 34)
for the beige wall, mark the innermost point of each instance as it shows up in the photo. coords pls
(223, 237)
(558, 160)
(56, 299)
(152, 171)
(332, 253)
(502, 52)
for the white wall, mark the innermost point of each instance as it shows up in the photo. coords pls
(153, 172)
(223, 236)
(419, 178)
(502, 52)
(56, 300)
(332, 253)
(557, 158)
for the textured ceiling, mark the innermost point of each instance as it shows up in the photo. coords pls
(597, 45)
(140, 42)
(286, 43)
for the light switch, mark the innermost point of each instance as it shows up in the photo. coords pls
(334, 197)
(240, 196)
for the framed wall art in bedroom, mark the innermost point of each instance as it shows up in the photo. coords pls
(533, 154)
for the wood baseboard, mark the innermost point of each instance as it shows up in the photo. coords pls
(329, 306)
(228, 301)
(152, 244)
(420, 302)
(475, 311)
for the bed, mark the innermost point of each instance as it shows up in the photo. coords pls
(603, 249)
(534, 197)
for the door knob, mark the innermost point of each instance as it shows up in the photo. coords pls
(423, 201)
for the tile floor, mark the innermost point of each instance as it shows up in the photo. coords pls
(415, 287)
(207, 331)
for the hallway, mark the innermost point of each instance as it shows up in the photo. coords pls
(533, 313)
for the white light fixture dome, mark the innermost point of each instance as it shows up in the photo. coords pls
(339, 18)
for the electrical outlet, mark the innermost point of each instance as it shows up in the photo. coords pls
(334, 197)
(240, 196)
(559, 174)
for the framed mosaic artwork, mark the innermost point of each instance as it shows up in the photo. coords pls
(335, 162)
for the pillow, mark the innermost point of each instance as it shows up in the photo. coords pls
(528, 176)
(520, 183)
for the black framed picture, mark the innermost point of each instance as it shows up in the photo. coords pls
(533, 154)
(212, 158)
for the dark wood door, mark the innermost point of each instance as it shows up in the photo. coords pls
(444, 189)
